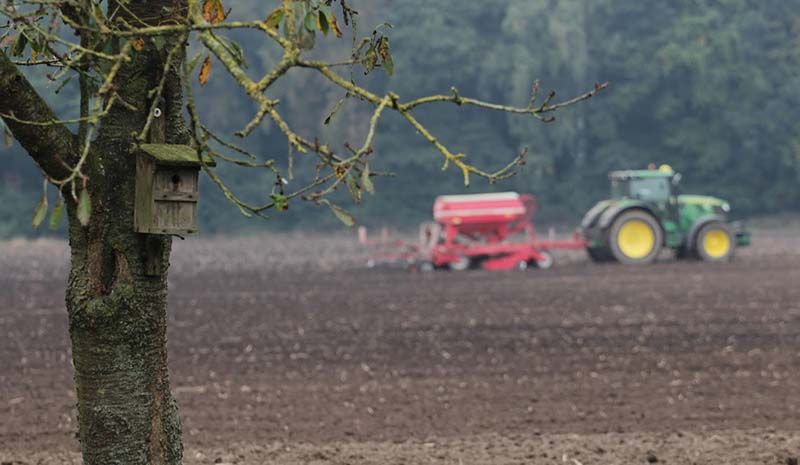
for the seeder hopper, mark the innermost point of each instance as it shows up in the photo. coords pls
(489, 231)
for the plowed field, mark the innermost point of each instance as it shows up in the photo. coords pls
(295, 354)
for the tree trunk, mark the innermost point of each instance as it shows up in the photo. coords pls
(117, 291)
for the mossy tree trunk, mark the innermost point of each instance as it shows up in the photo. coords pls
(116, 299)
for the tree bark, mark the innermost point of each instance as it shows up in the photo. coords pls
(115, 300)
(52, 147)
(117, 321)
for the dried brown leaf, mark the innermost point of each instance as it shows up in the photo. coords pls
(213, 11)
(205, 71)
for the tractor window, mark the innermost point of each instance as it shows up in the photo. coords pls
(619, 188)
(650, 189)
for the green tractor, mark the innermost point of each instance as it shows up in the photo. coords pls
(646, 213)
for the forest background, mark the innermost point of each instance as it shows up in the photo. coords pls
(709, 87)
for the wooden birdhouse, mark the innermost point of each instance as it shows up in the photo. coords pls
(167, 189)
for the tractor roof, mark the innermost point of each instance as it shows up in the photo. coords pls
(639, 174)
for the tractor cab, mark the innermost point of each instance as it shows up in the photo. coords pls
(655, 186)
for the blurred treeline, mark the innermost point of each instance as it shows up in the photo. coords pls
(708, 86)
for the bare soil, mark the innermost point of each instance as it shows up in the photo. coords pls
(286, 350)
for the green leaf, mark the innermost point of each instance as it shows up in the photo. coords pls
(322, 22)
(281, 202)
(19, 45)
(310, 22)
(274, 19)
(341, 214)
(56, 214)
(366, 181)
(84, 207)
(41, 211)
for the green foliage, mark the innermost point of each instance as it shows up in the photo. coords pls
(84, 207)
(56, 214)
(707, 87)
(340, 213)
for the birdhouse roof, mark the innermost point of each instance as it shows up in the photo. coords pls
(176, 155)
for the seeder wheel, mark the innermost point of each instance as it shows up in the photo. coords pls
(546, 261)
(463, 263)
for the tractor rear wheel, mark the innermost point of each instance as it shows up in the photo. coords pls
(715, 242)
(635, 238)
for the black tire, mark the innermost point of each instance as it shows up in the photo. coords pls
(684, 253)
(599, 254)
(700, 243)
(476, 262)
(626, 218)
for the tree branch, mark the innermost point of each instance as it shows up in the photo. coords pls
(53, 146)
(280, 26)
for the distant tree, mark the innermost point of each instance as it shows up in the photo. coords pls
(129, 58)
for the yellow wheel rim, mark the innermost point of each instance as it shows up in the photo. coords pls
(636, 239)
(716, 243)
